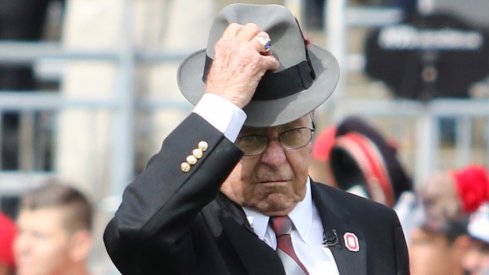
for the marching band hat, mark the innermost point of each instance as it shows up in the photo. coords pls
(361, 158)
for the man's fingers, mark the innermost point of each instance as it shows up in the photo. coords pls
(232, 30)
(270, 62)
(248, 32)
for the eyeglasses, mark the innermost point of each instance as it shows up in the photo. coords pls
(291, 139)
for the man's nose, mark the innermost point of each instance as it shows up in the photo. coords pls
(274, 153)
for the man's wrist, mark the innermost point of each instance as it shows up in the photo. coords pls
(222, 114)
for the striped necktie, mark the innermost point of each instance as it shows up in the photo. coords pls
(282, 225)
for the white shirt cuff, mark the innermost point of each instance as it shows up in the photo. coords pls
(222, 114)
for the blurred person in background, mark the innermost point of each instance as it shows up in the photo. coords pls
(357, 158)
(436, 228)
(438, 251)
(476, 259)
(7, 235)
(54, 231)
(445, 195)
(454, 194)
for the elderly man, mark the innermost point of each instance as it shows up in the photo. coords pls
(229, 192)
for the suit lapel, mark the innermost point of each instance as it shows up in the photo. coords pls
(256, 256)
(350, 250)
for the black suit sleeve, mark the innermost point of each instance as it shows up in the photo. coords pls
(152, 229)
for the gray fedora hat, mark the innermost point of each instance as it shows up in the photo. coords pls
(307, 75)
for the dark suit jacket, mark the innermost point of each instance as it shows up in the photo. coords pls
(175, 222)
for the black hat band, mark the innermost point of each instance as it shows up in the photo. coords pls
(280, 84)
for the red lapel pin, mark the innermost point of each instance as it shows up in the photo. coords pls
(351, 242)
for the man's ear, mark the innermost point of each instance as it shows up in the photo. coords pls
(81, 245)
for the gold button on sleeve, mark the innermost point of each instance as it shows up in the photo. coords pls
(203, 145)
(185, 167)
(192, 160)
(197, 153)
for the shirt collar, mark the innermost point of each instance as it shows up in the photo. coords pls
(301, 216)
